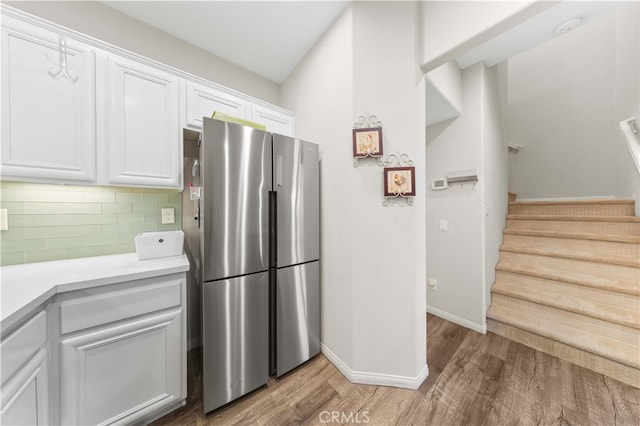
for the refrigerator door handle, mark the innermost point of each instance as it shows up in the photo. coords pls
(279, 160)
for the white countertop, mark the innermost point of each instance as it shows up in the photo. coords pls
(24, 287)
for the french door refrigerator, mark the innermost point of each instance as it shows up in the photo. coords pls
(259, 248)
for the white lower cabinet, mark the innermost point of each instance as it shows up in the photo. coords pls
(122, 358)
(24, 395)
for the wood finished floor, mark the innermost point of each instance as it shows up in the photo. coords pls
(474, 379)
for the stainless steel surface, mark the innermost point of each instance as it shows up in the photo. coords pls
(235, 168)
(296, 180)
(298, 315)
(235, 338)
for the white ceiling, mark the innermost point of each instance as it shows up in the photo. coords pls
(269, 38)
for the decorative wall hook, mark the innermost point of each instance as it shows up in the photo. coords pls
(63, 66)
(367, 120)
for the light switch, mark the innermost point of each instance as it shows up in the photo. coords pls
(4, 224)
(444, 225)
(168, 215)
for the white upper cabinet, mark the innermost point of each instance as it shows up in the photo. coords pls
(48, 105)
(202, 101)
(280, 122)
(142, 139)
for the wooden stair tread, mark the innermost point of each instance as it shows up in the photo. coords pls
(618, 238)
(574, 277)
(561, 327)
(575, 255)
(604, 305)
(632, 219)
(595, 202)
(618, 371)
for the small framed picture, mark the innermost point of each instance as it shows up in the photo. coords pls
(399, 181)
(367, 142)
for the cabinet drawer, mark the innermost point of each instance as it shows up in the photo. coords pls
(78, 314)
(22, 344)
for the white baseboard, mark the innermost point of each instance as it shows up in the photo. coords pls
(193, 343)
(480, 328)
(365, 378)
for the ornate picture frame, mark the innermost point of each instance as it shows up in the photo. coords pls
(367, 142)
(399, 181)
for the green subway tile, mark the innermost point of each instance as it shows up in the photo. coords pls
(7, 259)
(128, 197)
(41, 196)
(130, 218)
(12, 234)
(127, 238)
(117, 249)
(45, 255)
(145, 208)
(11, 185)
(175, 197)
(99, 219)
(83, 230)
(70, 242)
(34, 220)
(98, 197)
(23, 246)
(101, 240)
(156, 198)
(115, 228)
(45, 187)
(117, 188)
(79, 208)
(74, 253)
(145, 190)
(169, 227)
(45, 208)
(137, 228)
(45, 232)
(116, 208)
(90, 188)
(13, 207)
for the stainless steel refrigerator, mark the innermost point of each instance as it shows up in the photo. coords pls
(258, 216)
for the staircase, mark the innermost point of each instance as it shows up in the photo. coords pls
(568, 283)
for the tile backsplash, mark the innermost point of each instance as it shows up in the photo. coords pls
(53, 222)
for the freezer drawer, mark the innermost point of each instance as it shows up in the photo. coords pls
(298, 315)
(296, 177)
(235, 338)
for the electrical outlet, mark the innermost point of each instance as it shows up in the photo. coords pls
(433, 284)
(168, 215)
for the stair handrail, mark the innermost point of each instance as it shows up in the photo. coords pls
(629, 129)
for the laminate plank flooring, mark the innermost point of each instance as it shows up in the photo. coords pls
(474, 379)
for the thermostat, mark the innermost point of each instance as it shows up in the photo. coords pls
(438, 184)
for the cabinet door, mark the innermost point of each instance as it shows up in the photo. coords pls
(142, 140)
(203, 101)
(24, 392)
(25, 396)
(276, 121)
(48, 106)
(123, 372)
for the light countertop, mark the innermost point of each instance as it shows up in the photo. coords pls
(24, 287)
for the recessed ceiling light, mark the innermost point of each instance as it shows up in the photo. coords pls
(568, 26)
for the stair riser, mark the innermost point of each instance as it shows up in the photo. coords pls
(623, 373)
(622, 228)
(573, 210)
(624, 278)
(605, 305)
(612, 341)
(601, 248)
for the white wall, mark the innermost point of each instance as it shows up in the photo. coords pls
(451, 28)
(373, 274)
(444, 93)
(320, 90)
(564, 107)
(106, 24)
(461, 259)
